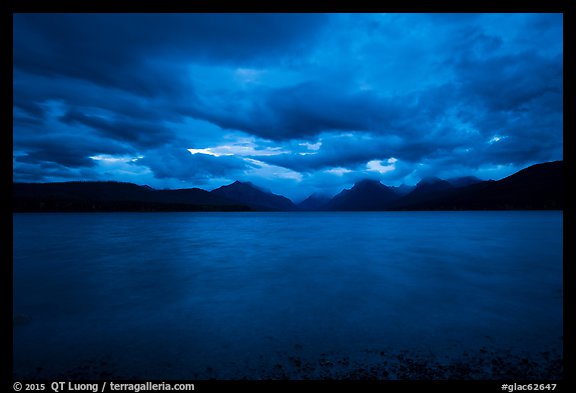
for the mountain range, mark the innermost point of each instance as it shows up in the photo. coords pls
(538, 187)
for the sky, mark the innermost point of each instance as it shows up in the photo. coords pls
(294, 103)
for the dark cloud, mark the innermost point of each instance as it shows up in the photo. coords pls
(33, 93)
(137, 133)
(24, 172)
(353, 150)
(46, 157)
(302, 110)
(338, 151)
(179, 164)
(111, 49)
(66, 150)
(511, 82)
(457, 18)
(31, 108)
(475, 41)
(506, 151)
(69, 153)
(295, 101)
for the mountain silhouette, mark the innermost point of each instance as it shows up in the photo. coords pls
(538, 187)
(429, 188)
(402, 189)
(314, 202)
(463, 181)
(114, 196)
(365, 195)
(250, 195)
(431, 184)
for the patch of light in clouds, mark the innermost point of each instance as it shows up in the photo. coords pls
(241, 147)
(247, 75)
(376, 165)
(338, 171)
(497, 138)
(261, 169)
(311, 146)
(114, 159)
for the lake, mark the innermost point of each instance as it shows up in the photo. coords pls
(385, 295)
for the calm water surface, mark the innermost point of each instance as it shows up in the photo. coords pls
(225, 295)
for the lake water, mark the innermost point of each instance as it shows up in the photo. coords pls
(287, 295)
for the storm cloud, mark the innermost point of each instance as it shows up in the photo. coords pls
(297, 103)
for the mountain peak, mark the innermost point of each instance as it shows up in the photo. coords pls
(430, 180)
(432, 183)
(366, 194)
(367, 181)
(402, 189)
(317, 195)
(463, 181)
(247, 193)
(241, 183)
(315, 201)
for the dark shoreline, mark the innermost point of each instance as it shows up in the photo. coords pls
(480, 365)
